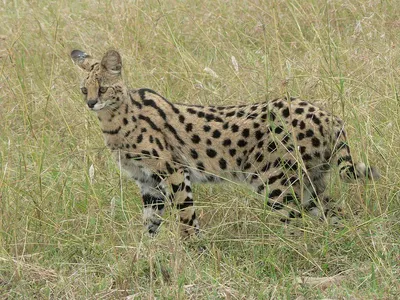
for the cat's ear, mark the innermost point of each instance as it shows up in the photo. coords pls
(112, 62)
(82, 59)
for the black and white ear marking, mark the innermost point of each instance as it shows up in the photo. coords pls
(112, 62)
(78, 56)
(82, 59)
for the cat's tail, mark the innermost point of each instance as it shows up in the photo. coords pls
(348, 170)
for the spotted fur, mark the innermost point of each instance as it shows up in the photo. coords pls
(282, 148)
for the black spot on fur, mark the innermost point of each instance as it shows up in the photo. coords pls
(216, 134)
(222, 163)
(133, 156)
(278, 129)
(272, 179)
(196, 139)
(252, 116)
(275, 193)
(112, 132)
(321, 130)
(278, 162)
(210, 117)
(155, 153)
(344, 158)
(285, 139)
(266, 167)
(285, 112)
(146, 153)
(177, 187)
(211, 152)
(247, 166)
(191, 111)
(316, 120)
(189, 127)
(341, 145)
(239, 161)
(289, 181)
(245, 132)
(264, 117)
(278, 104)
(227, 142)
(159, 144)
(139, 139)
(194, 154)
(259, 134)
(240, 113)
(271, 146)
(309, 133)
(259, 157)
(235, 128)
(241, 143)
(315, 142)
(289, 199)
(200, 166)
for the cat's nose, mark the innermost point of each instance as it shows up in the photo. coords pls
(91, 103)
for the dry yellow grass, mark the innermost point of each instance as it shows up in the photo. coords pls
(63, 235)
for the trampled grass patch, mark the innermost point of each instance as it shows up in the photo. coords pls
(66, 232)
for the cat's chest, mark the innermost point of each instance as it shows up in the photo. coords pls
(133, 167)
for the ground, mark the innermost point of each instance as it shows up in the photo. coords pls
(70, 223)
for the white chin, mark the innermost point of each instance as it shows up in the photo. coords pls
(98, 107)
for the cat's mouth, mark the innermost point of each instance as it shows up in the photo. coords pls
(99, 106)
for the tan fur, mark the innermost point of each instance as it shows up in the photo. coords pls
(282, 148)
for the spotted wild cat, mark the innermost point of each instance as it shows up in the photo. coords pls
(282, 148)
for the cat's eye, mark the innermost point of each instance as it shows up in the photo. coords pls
(103, 89)
(84, 90)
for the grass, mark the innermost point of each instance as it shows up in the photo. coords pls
(65, 234)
